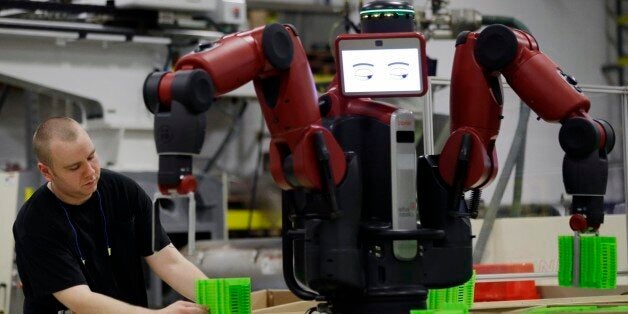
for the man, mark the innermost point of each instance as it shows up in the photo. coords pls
(79, 239)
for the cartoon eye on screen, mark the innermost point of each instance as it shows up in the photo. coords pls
(363, 71)
(386, 65)
(398, 70)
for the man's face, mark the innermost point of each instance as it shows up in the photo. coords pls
(75, 169)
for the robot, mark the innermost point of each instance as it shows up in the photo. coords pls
(369, 227)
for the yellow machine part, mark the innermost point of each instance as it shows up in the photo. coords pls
(238, 219)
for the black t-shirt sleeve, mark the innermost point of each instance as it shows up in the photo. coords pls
(143, 225)
(50, 265)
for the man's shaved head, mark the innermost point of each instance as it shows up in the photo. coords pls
(67, 159)
(58, 128)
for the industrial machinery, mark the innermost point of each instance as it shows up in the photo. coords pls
(55, 58)
(367, 226)
(118, 42)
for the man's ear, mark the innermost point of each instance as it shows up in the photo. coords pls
(45, 171)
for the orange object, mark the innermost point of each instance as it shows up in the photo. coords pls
(505, 290)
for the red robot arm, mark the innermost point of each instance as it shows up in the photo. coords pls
(476, 106)
(274, 59)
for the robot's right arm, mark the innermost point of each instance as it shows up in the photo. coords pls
(302, 152)
(476, 104)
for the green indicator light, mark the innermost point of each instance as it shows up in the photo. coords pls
(387, 11)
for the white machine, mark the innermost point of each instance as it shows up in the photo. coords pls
(8, 193)
(220, 11)
(15, 189)
(100, 69)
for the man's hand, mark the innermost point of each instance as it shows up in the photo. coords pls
(184, 307)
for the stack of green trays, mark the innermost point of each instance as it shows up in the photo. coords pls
(598, 262)
(439, 299)
(565, 261)
(225, 295)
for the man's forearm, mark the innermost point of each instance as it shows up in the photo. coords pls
(181, 275)
(176, 271)
(100, 303)
(80, 299)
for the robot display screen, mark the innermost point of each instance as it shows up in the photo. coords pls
(381, 67)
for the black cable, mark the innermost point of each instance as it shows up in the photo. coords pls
(348, 23)
(3, 96)
(168, 58)
(475, 202)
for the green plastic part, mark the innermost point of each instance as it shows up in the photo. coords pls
(455, 298)
(614, 309)
(565, 260)
(598, 262)
(225, 295)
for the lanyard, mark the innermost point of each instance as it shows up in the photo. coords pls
(76, 238)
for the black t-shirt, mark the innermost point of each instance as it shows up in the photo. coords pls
(49, 243)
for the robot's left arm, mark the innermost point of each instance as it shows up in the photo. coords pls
(302, 152)
(476, 105)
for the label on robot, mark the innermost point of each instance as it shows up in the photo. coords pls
(403, 176)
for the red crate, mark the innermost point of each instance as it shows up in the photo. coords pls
(505, 290)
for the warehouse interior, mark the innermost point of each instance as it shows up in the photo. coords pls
(303, 196)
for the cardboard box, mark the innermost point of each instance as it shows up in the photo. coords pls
(270, 298)
(299, 307)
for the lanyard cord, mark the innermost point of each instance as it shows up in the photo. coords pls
(76, 239)
(104, 219)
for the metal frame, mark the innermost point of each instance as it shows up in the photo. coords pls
(191, 218)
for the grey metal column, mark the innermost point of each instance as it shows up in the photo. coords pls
(518, 178)
(428, 120)
(624, 114)
(500, 188)
(32, 120)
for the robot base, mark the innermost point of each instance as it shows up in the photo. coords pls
(383, 300)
